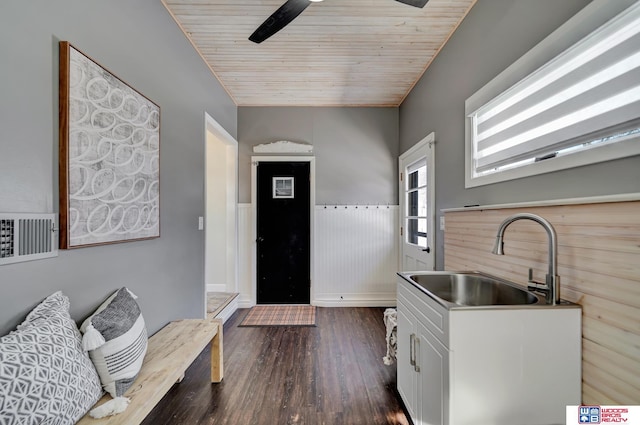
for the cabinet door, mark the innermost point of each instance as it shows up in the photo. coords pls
(407, 377)
(433, 381)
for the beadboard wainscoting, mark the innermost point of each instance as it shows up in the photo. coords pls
(356, 255)
(599, 268)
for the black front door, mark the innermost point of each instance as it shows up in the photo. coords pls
(283, 233)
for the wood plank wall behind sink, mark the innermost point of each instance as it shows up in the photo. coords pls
(599, 268)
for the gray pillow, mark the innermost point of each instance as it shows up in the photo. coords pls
(45, 375)
(116, 336)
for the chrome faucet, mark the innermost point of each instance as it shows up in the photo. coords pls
(552, 285)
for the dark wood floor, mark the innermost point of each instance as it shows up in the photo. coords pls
(329, 374)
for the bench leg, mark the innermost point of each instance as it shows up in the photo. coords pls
(217, 355)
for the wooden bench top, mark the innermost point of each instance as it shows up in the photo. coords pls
(170, 352)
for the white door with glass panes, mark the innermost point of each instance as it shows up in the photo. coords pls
(417, 199)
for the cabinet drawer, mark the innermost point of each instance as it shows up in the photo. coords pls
(428, 312)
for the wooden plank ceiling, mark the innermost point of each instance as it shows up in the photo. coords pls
(336, 53)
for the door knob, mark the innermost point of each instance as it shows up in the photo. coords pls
(260, 239)
(427, 250)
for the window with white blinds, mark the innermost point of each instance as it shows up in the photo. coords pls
(577, 105)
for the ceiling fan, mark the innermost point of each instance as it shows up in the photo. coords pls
(290, 10)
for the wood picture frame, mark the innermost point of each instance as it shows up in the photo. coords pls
(109, 156)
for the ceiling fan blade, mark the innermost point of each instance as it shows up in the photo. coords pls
(415, 3)
(279, 19)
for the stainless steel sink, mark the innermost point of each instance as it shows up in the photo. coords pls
(471, 289)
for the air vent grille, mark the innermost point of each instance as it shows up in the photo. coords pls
(25, 237)
(7, 234)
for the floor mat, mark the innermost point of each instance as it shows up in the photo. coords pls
(280, 315)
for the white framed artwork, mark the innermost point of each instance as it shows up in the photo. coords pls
(109, 156)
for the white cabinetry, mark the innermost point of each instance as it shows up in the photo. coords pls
(407, 376)
(432, 363)
(486, 366)
(423, 359)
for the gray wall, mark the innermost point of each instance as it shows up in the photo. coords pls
(141, 44)
(494, 34)
(356, 149)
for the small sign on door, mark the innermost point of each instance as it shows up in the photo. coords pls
(282, 187)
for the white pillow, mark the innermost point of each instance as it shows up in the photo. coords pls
(116, 337)
(45, 375)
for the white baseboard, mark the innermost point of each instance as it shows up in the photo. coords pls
(244, 301)
(216, 287)
(373, 300)
(338, 300)
(355, 300)
(228, 310)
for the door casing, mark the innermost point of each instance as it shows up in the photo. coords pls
(254, 213)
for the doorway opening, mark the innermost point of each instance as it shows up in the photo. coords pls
(221, 203)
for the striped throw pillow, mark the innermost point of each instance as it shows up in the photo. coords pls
(116, 338)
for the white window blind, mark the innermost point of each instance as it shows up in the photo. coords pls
(587, 96)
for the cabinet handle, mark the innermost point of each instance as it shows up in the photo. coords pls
(416, 354)
(412, 347)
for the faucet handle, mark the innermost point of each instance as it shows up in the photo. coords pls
(536, 286)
